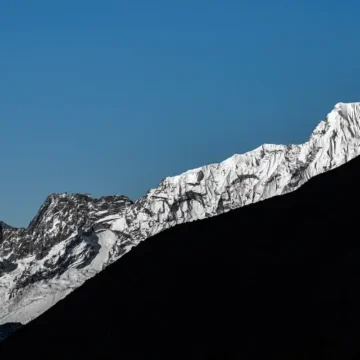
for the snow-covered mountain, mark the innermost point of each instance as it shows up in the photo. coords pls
(75, 236)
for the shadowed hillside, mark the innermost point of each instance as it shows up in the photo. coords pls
(278, 279)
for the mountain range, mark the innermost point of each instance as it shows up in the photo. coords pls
(74, 236)
(278, 279)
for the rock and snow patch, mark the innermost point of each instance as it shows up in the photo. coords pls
(42, 295)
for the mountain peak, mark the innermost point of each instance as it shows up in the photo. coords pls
(346, 111)
(3, 224)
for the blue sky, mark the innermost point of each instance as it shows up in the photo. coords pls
(110, 97)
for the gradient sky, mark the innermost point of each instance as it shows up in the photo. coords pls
(110, 97)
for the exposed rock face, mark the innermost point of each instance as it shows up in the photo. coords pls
(40, 263)
(75, 236)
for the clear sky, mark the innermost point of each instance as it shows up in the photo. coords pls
(110, 97)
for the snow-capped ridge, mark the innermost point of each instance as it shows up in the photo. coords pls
(73, 236)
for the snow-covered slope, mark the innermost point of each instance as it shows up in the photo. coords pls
(75, 236)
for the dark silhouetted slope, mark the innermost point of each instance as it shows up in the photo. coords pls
(279, 279)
